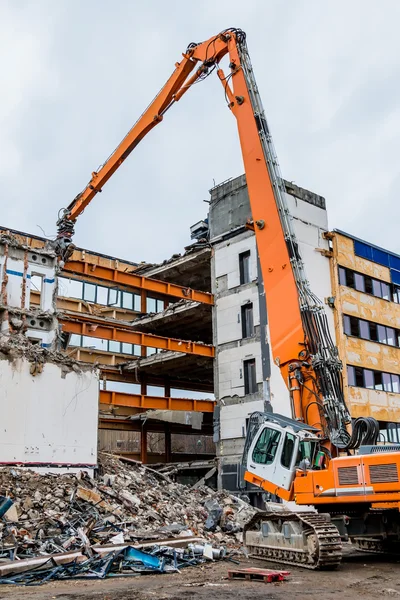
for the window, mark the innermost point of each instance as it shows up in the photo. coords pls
(250, 380)
(365, 283)
(89, 292)
(244, 267)
(351, 378)
(378, 380)
(127, 300)
(359, 376)
(376, 288)
(94, 343)
(368, 330)
(390, 336)
(70, 288)
(359, 282)
(364, 330)
(373, 380)
(351, 326)
(342, 276)
(126, 348)
(387, 382)
(385, 291)
(307, 450)
(288, 449)
(75, 340)
(368, 284)
(266, 447)
(395, 383)
(154, 305)
(381, 329)
(114, 346)
(113, 297)
(247, 320)
(36, 290)
(102, 295)
(369, 380)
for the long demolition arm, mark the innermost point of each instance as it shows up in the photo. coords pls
(300, 339)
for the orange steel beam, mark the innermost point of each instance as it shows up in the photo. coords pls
(110, 331)
(155, 402)
(138, 282)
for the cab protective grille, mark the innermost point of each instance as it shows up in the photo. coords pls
(348, 475)
(383, 473)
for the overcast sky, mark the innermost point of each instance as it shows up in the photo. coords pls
(76, 74)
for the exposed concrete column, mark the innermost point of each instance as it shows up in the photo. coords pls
(168, 445)
(167, 387)
(143, 444)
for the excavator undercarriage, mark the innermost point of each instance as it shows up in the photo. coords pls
(306, 539)
(313, 540)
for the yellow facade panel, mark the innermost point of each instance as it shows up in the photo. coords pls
(370, 308)
(347, 258)
(383, 406)
(372, 355)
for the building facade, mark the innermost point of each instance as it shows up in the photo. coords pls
(246, 379)
(366, 292)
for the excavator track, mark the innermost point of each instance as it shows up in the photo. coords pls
(372, 546)
(316, 543)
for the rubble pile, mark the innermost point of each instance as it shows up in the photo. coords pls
(124, 504)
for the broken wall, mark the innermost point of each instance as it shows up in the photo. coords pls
(48, 403)
(50, 418)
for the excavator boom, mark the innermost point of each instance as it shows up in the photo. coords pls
(296, 459)
(300, 337)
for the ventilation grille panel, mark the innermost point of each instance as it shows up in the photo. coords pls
(348, 475)
(383, 473)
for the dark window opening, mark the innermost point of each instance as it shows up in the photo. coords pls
(288, 449)
(368, 284)
(359, 376)
(247, 320)
(378, 381)
(250, 380)
(244, 267)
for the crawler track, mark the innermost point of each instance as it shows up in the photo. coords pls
(322, 548)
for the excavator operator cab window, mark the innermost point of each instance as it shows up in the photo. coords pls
(306, 453)
(288, 450)
(265, 449)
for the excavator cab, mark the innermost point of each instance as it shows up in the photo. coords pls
(278, 447)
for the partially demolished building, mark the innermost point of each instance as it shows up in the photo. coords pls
(165, 363)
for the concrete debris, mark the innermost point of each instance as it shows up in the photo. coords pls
(124, 504)
(17, 346)
(118, 562)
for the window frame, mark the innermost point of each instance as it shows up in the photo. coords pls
(247, 318)
(249, 365)
(269, 444)
(244, 267)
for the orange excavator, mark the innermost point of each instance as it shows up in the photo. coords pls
(320, 459)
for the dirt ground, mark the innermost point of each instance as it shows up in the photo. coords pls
(360, 576)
